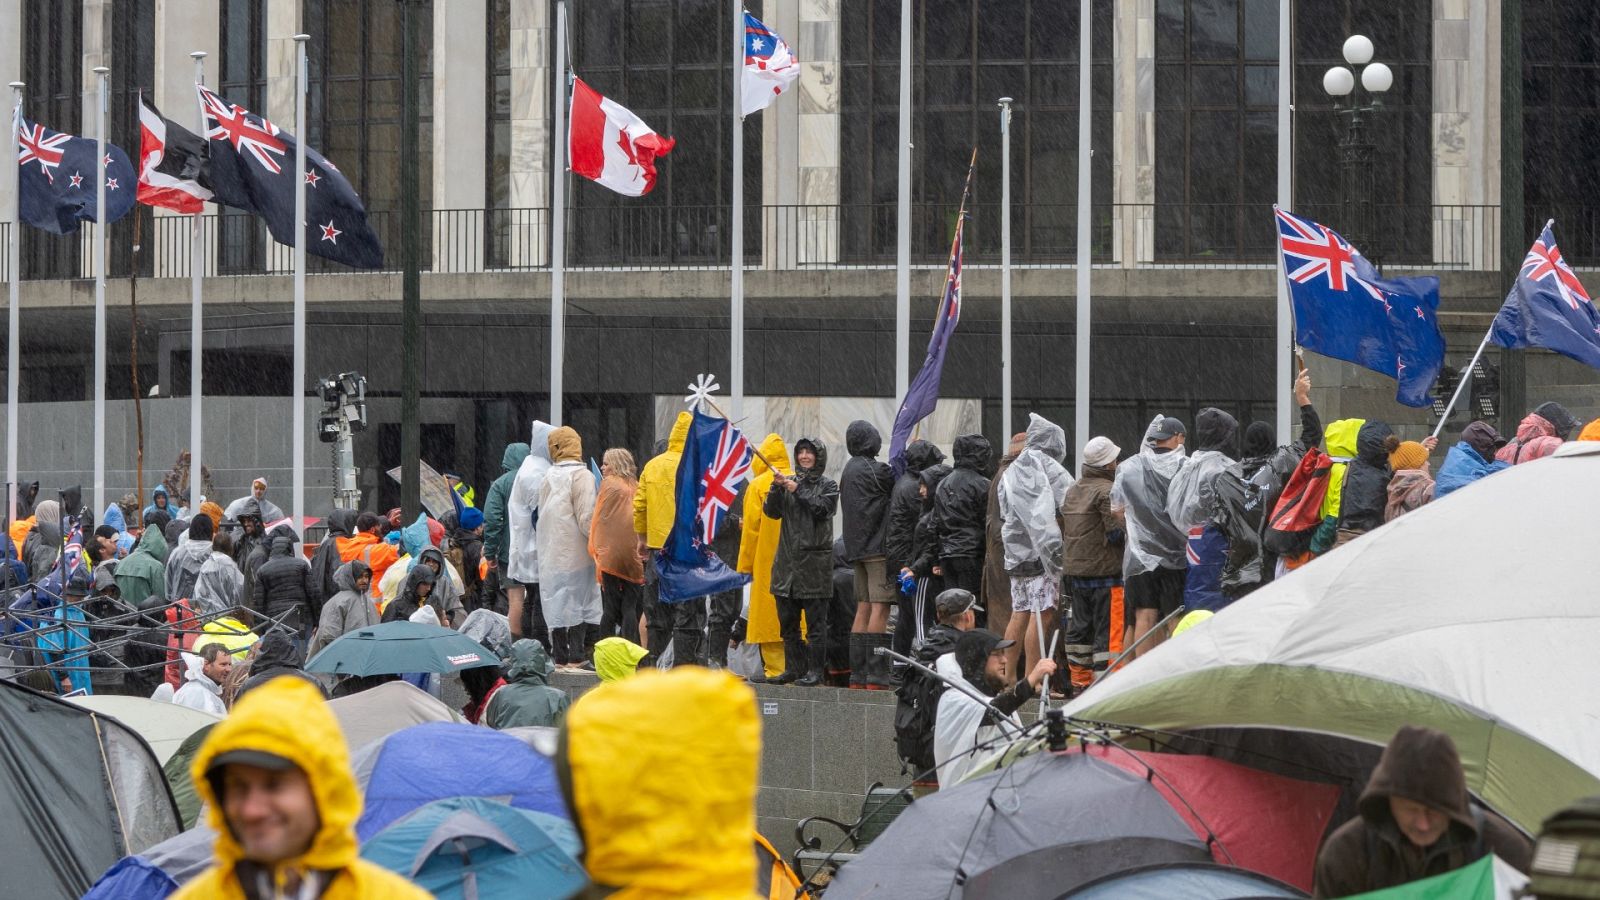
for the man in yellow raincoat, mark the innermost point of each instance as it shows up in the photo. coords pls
(275, 778)
(757, 548)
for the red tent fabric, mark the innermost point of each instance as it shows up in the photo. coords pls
(1267, 823)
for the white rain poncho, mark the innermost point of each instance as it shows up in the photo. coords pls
(1139, 492)
(522, 555)
(958, 728)
(567, 586)
(1030, 495)
(219, 587)
(1191, 497)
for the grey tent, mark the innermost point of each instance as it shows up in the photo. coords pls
(80, 789)
(1066, 818)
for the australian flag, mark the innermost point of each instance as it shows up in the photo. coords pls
(923, 394)
(715, 461)
(1548, 308)
(251, 168)
(1344, 309)
(56, 180)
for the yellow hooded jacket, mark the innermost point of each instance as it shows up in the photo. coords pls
(660, 771)
(1341, 442)
(288, 717)
(654, 506)
(759, 542)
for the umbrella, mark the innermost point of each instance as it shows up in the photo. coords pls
(470, 847)
(1191, 881)
(395, 648)
(1056, 819)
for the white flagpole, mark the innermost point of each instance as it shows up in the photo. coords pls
(102, 74)
(736, 223)
(13, 298)
(1081, 388)
(558, 216)
(1285, 336)
(297, 388)
(902, 258)
(197, 270)
(1005, 270)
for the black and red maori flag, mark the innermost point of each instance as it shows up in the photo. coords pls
(172, 163)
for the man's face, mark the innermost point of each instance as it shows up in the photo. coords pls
(258, 490)
(432, 563)
(161, 501)
(996, 667)
(108, 547)
(805, 457)
(364, 582)
(1421, 824)
(272, 813)
(1171, 443)
(218, 668)
(424, 588)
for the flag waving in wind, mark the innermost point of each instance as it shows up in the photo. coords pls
(172, 163)
(56, 178)
(1344, 309)
(715, 461)
(769, 67)
(608, 144)
(1548, 307)
(251, 168)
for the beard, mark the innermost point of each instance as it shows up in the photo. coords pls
(987, 684)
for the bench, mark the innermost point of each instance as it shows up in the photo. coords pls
(881, 807)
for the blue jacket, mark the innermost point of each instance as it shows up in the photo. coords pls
(1462, 466)
(161, 490)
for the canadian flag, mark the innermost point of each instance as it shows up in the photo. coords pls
(610, 145)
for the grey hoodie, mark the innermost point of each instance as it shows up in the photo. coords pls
(345, 611)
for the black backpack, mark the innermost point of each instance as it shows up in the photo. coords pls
(916, 702)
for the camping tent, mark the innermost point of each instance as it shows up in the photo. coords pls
(1191, 881)
(80, 790)
(462, 848)
(1474, 614)
(380, 711)
(163, 725)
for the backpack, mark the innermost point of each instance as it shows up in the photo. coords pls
(324, 562)
(1566, 859)
(1298, 511)
(916, 702)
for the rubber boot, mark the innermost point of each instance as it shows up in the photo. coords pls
(819, 661)
(717, 649)
(794, 659)
(858, 661)
(877, 677)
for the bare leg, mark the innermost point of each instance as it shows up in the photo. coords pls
(877, 617)
(1143, 621)
(1020, 629)
(515, 594)
(861, 623)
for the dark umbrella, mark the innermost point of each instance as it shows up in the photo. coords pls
(395, 648)
(1066, 817)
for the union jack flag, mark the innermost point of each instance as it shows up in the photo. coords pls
(720, 482)
(1312, 251)
(39, 144)
(1544, 263)
(243, 129)
(1548, 307)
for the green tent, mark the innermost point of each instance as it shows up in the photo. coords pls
(177, 767)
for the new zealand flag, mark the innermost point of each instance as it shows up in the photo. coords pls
(716, 459)
(252, 168)
(56, 180)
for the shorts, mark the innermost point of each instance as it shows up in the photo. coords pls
(1034, 593)
(1160, 589)
(870, 581)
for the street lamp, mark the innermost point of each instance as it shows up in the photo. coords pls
(1355, 151)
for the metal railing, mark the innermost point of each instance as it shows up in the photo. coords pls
(857, 235)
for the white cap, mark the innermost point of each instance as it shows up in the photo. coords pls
(1100, 452)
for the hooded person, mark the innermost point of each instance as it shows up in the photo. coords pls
(143, 573)
(1472, 458)
(496, 534)
(802, 569)
(42, 547)
(758, 547)
(1341, 438)
(996, 594)
(1412, 485)
(1538, 435)
(159, 499)
(527, 700)
(616, 658)
(525, 612)
(962, 725)
(447, 588)
(905, 507)
(27, 498)
(249, 541)
(269, 511)
(615, 548)
(203, 673)
(1154, 557)
(1365, 495)
(568, 587)
(1416, 821)
(961, 504)
(865, 487)
(349, 608)
(186, 558)
(465, 553)
(1191, 502)
(275, 780)
(924, 563)
(123, 539)
(415, 593)
(325, 559)
(636, 769)
(655, 505)
(219, 586)
(212, 511)
(273, 656)
(1032, 496)
(283, 582)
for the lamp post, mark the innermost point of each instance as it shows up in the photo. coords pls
(1355, 150)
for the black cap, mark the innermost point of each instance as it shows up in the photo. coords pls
(954, 602)
(261, 759)
(974, 648)
(1167, 429)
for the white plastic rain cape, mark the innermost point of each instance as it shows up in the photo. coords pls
(567, 586)
(1030, 496)
(1139, 492)
(522, 557)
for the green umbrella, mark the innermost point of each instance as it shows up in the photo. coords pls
(398, 647)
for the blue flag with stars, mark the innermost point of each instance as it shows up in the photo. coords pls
(1344, 309)
(251, 167)
(1548, 307)
(56, 179)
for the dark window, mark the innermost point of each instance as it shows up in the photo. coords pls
(1560, 116)
(968, 54)
(242, 79)
(52, 68)
(670, 63)
(498, 195)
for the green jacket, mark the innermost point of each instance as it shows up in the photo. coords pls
(496, 536)
(144, 573)
(527, 698)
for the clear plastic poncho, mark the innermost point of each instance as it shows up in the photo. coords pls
(568, 590)
(1030, 495)
(1139, 491)
(522, 507)
(219, 587)
(1189, 499)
